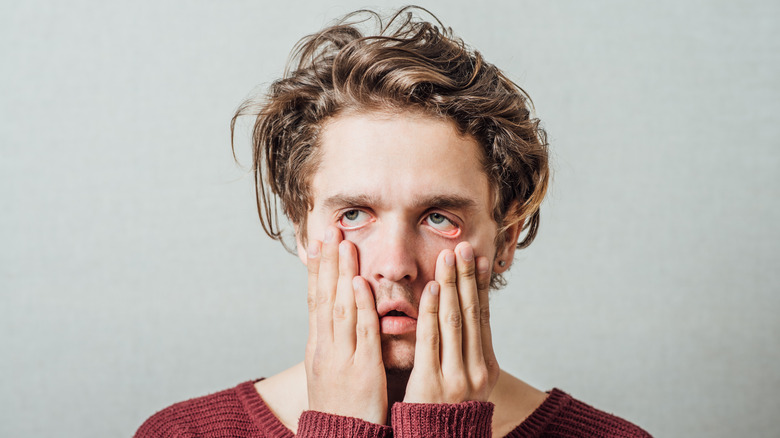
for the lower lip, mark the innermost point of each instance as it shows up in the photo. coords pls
(397, 325)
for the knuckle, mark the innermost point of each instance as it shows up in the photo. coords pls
(467, 271)
(365, 304)
(362, 331)
(480, 378)
(361, 306)
(450, 280)
(340, 312)
(431, 309)
(484, 314)
(311, 301)
(454, 320)
(471, 313)
(323, 298)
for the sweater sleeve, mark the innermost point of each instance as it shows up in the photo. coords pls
(313, 424)
(467, 419)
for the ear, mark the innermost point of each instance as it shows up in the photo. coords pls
(299, 244)
(506, 251)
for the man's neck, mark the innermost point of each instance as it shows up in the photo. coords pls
(396, 388)
(286, 396)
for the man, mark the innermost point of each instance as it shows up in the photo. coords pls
(411, 169)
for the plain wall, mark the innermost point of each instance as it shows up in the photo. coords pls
(134, 272)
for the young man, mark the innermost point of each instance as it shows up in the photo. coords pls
(411, 169)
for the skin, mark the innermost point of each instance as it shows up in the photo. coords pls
(402, 219)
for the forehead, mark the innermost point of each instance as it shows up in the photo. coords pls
(398, 159)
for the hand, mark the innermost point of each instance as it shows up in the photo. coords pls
(454, 359)
(344, 370)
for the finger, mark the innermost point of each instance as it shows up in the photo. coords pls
(368, 345)
(326, 285)
(313, 266)
(483, 285)
(450, 319)
(344, 311)
(426, 351)
(469, 305)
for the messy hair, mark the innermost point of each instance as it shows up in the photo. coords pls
(406, 64)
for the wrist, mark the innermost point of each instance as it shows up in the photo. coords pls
(448, 420)
(316, 424)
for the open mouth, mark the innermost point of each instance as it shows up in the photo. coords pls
(396, 322)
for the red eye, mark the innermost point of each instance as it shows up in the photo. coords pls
(352, 219)
(440, 223)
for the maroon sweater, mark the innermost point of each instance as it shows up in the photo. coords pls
(240, 412)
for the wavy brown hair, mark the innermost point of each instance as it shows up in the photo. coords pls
(407, 64)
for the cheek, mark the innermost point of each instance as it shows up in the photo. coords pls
(483, 242)
(365, 251)
(315, 230)
(428, 255)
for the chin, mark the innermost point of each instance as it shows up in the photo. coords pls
(398, 353)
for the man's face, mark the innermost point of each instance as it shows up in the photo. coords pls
(402, 188)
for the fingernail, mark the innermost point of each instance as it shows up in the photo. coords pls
(356, 283)
(328, 235)
(449, 259)
(434, 289)
(343, 250)
(314, 249)
(482, 265)
(467, 252)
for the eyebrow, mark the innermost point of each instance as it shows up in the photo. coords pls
(344, 200)
(449, 202)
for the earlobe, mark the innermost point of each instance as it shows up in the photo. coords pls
(506, 253)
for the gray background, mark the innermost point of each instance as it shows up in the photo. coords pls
(134, 272)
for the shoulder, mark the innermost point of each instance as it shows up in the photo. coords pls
(222, 413)
(562, 415)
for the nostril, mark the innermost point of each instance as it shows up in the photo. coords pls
(393, 276)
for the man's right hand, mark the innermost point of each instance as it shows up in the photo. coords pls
(344, 369)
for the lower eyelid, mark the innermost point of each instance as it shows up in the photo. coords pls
(370, 220)
(453, 233)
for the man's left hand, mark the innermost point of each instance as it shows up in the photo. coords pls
(454, 359)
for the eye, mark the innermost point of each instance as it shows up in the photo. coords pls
(352, 219)
(441, 224)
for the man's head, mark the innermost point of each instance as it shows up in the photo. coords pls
(408, 142)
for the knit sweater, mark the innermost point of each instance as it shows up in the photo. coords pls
(240, 412)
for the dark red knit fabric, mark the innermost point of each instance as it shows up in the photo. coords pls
(412, 420)
(240, 412)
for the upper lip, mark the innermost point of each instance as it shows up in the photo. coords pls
(401, 306)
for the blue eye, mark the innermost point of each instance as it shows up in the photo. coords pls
(351, 215)
(436, 218)
(352, 219)
(440, 223)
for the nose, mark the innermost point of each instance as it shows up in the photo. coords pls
(396, 254)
